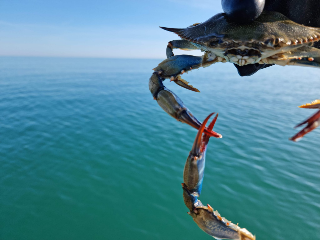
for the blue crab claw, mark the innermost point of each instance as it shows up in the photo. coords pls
(216, 226)
(208, 220)
(194, 168)
(173, 105)
(312, 122)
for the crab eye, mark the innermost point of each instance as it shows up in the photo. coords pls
(214, 43)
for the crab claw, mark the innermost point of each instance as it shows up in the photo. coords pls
(205, 217)
(218, 227)
(173, 105)
(199, 146)
(312, 123)
(194, 168)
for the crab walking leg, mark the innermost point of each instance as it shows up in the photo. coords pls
(208, 220)
(306, 56)
(306, 62)
(173, 105)
(312, 123)
(181, 44)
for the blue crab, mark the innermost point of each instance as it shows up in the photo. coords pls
(270, 39)
(206, 218)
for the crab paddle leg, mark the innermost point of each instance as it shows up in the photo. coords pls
(208, 220)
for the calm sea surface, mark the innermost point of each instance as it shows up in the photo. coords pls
(86, 153)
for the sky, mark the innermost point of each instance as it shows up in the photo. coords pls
(96, 28)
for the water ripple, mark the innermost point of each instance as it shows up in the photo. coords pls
(87, 154)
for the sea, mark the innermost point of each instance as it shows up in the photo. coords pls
(86, 153)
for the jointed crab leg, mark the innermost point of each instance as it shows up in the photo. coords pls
(170, 102)
(306, 56)
(173, 105)
(312, 122)
(208, 220)
(182, 44)
(171, 68)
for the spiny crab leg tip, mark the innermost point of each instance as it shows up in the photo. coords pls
(315, 104)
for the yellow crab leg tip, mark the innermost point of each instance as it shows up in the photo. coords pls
(314, 104)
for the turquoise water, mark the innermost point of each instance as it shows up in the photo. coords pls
(86, 153)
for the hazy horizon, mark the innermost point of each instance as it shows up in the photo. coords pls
(122, 29)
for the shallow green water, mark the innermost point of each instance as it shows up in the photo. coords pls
(87, 154)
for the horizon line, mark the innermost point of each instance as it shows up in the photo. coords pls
(50, 56)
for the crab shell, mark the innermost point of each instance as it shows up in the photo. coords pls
(270, 35)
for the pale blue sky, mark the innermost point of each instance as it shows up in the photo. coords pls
(96, 28)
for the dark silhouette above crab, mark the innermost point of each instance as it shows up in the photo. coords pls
(270, 39)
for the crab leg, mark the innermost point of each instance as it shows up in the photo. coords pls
(208, 220)
(312, 122)
(306, 56)
(170, 102)
(306, 62)
(173, 105)
(182, 44)
(171, 68)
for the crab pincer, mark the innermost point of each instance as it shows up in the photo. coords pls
(173, 105)
(312, 123)
(194, 168)
(218, 227)
(206, 218)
